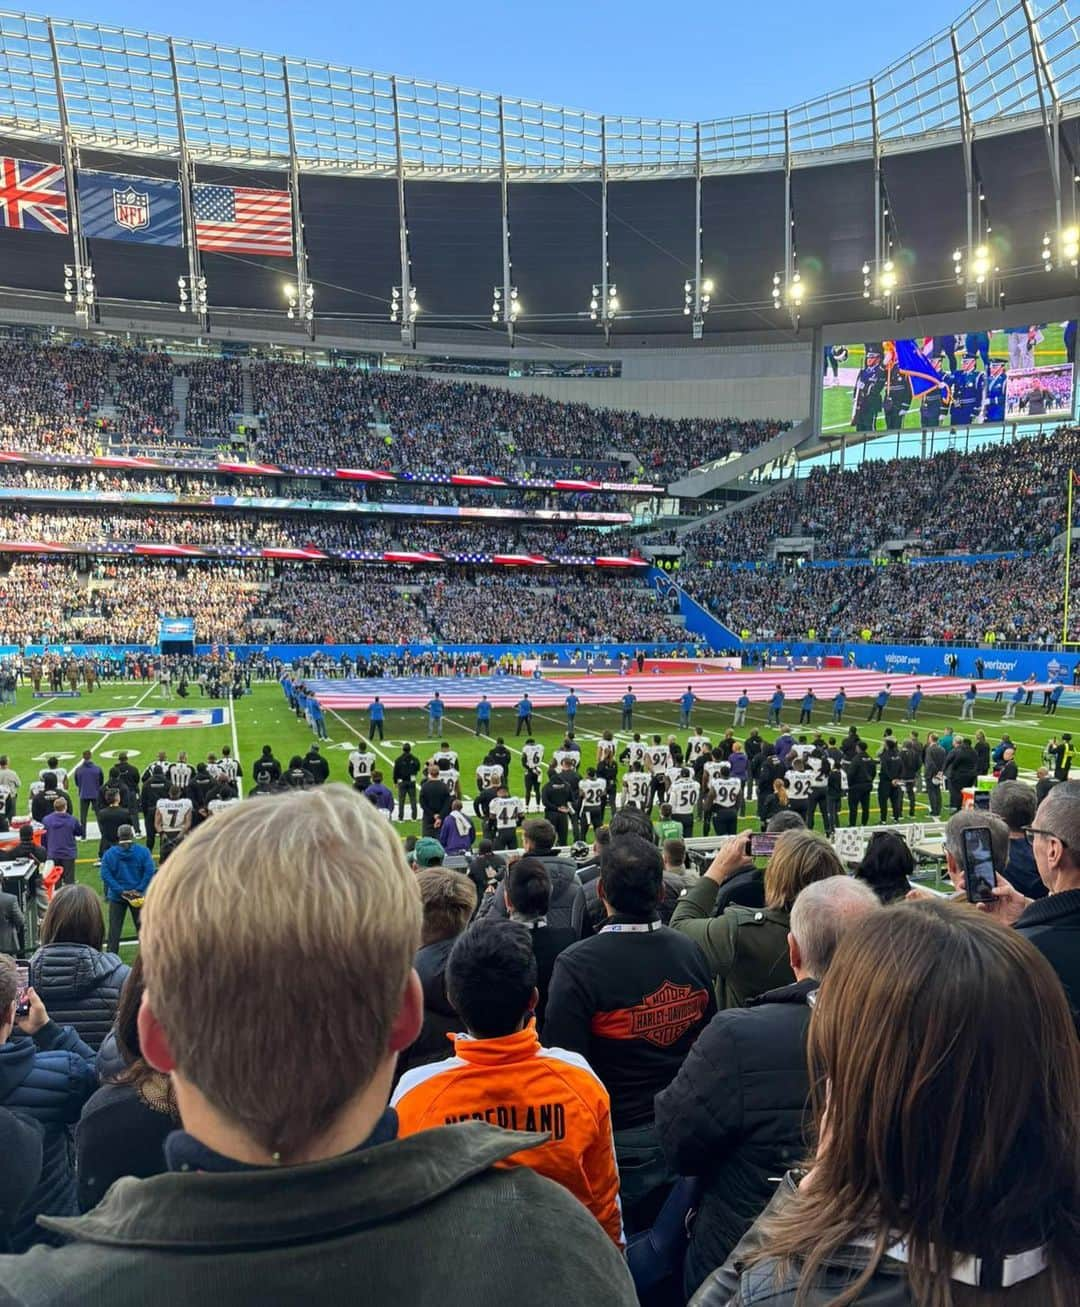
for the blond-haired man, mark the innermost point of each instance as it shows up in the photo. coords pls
(278, 1016)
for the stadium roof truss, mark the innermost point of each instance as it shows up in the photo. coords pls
(1003, 64)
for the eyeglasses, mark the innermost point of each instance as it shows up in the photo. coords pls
(1031, 831)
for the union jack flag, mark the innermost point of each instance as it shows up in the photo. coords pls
(33, 196)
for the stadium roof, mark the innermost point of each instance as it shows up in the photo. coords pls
(136, 93)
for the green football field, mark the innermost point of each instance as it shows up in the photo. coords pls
(264, 718)
(836, 400)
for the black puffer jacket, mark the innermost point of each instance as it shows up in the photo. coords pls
(48, 1077)
(734, 1116)
(440, 1020)
(80, 987)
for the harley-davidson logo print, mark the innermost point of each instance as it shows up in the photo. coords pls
(662, 1017)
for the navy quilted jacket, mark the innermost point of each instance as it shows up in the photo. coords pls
(80, 986)
(48, 1077)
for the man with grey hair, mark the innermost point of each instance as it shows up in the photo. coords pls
(734, 1113)
(1052, 923)
(288, 1171)
(1015, 803)
(973, 819)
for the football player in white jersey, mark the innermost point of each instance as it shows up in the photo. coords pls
(634, 751)
(181, 772)
(697, 745)
(489, 775)
(800, 783)
(59, 772)
(444, 757)
(726, 794)
(683, 795)
(507, 813)
(172, 819)
(635, 787)
(361, 765)
(593, 792)
(532, 759)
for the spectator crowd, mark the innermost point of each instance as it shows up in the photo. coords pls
(84, 399)
(1003, 600)
(784, 1085)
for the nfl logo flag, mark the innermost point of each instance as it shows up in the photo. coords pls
(140, 209)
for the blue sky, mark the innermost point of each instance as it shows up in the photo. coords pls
(674, 60)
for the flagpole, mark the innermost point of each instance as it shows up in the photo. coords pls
(196, 287)
(1068, 556)
(79, 275)
(305, 291)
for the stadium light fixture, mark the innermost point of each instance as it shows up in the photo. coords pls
(604, 304)
(979, 275)
(301, 303)
(404, 311)
(193, 294)
(506, 306)
(80, 289)
(1068, 249)
(697, 300)
(790, 293)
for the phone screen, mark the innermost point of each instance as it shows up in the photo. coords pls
(22, 1006)
(978, 864)
(762, 846)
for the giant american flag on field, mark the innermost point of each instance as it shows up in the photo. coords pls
(33, 196)
(243, 220)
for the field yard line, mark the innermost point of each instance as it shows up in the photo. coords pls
(109, 734)
(354, 733)
(582, 731)
(236, 748)
(464, 726)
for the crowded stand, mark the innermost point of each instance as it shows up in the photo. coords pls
(48, 600)
(333, 604)
(441, 426)
(82, 399)
(1014, 600)
(997, 498)
(135, 481)
(596, 606)
(215, 398)
(255, 529)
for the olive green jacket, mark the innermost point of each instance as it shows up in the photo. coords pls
(746, 947)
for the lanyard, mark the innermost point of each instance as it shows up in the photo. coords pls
(631, 927)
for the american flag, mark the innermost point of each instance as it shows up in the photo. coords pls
(240, 220)
(33, 196)
(607, 688)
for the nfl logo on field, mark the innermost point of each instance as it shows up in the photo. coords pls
(121, 719)
(131, 209)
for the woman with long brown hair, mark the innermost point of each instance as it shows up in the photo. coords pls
(946, 1075)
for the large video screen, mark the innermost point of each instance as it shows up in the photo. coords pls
(974, 377)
